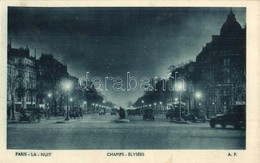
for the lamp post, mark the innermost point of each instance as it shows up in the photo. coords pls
(71, 100)
(180, 88)
(198, 96)
(67, 87)
(215, 110)
(142, 106)
(48, 106)
(160, 106)
(85, 103)
(155, 107)
(96, 108)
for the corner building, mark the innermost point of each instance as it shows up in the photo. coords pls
(221, 68)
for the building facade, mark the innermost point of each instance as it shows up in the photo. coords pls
(221, 68)
(21, 78)
(50, 73)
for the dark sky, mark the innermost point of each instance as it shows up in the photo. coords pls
(113, 41)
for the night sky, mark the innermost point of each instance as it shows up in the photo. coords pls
(113, 41)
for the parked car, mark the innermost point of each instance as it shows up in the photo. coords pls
(76, 113)
(235, 115)
(195, 115)
(170, 114)
(148, 114)
(26, 116)
(102, 112)
(113, 112)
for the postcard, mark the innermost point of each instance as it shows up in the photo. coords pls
(130, 81)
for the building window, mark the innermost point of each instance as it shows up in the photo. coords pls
(226, 61)
(27, 98)
(228, 80)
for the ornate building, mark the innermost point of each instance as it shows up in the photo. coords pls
(221, 68)
(21, 78)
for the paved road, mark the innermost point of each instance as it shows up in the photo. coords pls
(102, 132)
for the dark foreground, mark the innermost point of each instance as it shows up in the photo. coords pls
(101, 132)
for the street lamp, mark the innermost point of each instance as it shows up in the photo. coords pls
(67, 87)
(160, 106)
(71, 99)
(198, 96)
(142, 106)
(85, 103)
(180, 87)
(49, 96)
(47, 110)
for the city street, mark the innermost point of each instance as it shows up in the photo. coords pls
(102, 132)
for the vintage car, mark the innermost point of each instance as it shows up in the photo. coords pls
(102, 112)
(170, 114)
(148, 114)
(76, 113)
(27, 116)
(195, 115)
(113, 111)
(235, 116)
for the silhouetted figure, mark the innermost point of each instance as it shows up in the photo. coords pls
(121, 113)
(37, 113)
(8, 112)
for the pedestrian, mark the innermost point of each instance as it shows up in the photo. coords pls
(8, 112)
(48, 113)
(121, 113)
(38, 114)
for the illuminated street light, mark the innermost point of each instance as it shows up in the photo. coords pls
(160, 106)
(180, 87)
(142, 106)
(71, 99)
(67, 87)
(84, 104)
(49, 95)
(198, 95)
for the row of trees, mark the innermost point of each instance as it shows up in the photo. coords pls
(42, 82)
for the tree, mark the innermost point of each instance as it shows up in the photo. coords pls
(13, 84)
